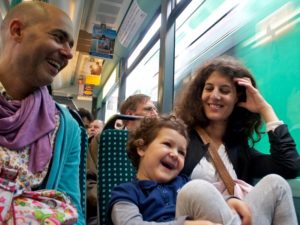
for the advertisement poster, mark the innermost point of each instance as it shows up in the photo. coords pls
(103, 42)
(90, 76)
(132, 23)
(85, 91)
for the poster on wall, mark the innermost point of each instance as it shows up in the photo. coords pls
(91, 69)
(93, 73)
(103, 41)
(131, 24)
(90, 76)
(85, 91)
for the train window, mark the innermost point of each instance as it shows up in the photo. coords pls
(198, 30)
(144, 77)
(109, 83)
(111, 104)
(187, 13)
(150, 33)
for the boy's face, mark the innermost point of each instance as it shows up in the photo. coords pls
(163, 159)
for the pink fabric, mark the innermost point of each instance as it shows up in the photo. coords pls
(241, 188)
(29, 122)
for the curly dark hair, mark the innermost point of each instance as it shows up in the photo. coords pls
(148, 131)
(189, 107)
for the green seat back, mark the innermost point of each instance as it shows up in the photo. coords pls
(114, 167)
(82, 168)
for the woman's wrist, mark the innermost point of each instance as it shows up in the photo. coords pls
(268, 114)
(271, 126)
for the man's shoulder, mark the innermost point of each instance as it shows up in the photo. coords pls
(61, 107)
(67, 115)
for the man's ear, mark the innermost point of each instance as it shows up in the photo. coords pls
(16, 29)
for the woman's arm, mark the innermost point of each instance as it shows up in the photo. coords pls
(283, 160)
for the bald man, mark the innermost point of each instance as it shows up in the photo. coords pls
(95, 128)
(39, 136)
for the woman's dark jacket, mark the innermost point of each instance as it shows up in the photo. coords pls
(248, 162)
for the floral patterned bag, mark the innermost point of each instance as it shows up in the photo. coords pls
(33, 207)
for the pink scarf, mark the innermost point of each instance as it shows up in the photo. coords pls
(29, 122)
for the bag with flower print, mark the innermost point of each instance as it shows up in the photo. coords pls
(33, 207)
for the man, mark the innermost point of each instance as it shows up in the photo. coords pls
(137, 105)
(41, 136)
(86, 117)
(94, 132)
(95, 128)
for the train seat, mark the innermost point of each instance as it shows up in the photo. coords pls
(114, 167)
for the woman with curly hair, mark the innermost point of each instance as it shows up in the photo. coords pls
(224, 110)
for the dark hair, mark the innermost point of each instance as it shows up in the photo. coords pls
(84, 113)
(132, 102)
(148, 130)
(189, 106)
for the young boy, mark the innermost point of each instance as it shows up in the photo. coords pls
(157, 150)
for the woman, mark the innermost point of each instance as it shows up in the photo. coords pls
(225, 105)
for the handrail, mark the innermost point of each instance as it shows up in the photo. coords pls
(110, 124)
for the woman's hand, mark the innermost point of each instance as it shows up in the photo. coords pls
(240, 208)
(255, 102)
